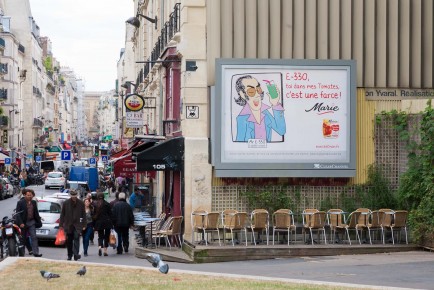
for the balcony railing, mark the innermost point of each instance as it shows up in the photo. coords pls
(3, 68)
(50, 89)
(170, 28)
(37, 123)
(37, 92)
(21, 48)
(3, 94)
(4, 121)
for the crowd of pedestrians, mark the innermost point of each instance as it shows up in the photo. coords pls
(83, 218)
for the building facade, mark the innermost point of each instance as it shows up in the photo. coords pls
(391, 42)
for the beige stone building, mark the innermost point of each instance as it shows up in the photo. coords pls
(176, 48)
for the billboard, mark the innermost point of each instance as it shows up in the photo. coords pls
(284, 118)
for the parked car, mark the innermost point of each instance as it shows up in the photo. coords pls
(82, 187)
(8, 187)
(49, 210)
(59, 195)
(3, 190)
(55, 179)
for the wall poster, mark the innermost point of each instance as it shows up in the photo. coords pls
(284, 118)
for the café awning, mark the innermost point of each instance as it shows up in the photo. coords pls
(163, 156)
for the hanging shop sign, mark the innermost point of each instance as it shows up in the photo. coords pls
(134, 102)
(134, 119)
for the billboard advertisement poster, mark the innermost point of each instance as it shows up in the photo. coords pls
(297, 116)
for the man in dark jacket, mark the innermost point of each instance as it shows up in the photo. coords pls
(73, 221)
(28, 218)
(123, 219)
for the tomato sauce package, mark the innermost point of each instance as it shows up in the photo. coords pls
(330, 128)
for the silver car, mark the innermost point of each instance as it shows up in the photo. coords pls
(55, 179)
(49, 210)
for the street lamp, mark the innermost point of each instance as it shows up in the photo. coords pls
(127, 85)
(134, 21)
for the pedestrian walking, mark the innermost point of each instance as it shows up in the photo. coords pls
(89, 210)
(123, 219)
(137, 200)
(73, 221)
(102, 223)
(28, 219)
(115, 201)
(118, 182)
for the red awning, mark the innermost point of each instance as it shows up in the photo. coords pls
(127, 168)
(118, 154)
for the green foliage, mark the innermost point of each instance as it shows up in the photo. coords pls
(416, 190)
(327, 203)
(347, 202)
(400, 124)
(48, 63)
(267, 199)
(378, 192)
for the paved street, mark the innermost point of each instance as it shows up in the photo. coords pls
(407, 270)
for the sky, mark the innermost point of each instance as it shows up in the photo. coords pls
(86, 35)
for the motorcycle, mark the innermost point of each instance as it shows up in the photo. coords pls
(35, 179)
(11, 239)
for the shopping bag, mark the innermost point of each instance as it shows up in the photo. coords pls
(112, 238)
(60, 237)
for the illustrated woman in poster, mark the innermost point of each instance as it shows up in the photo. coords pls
(255, 120)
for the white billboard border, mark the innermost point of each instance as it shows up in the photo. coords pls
(237, 169)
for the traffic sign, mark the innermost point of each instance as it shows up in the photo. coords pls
(65, 155)
(38, 158)
(104, 158)
(92, 161)
(7, 161)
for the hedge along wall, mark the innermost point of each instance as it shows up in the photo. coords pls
(301, 197)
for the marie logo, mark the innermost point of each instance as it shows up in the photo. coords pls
(321, 109)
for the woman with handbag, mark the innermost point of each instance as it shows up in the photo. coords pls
(103, 223)
(89, 224)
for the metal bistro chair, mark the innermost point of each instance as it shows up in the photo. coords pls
(377, 218)
(317, 222)
(197, 222)
(283, 221)
(237, 222)
(212, 221)
(351, 224)
(225, 219)
(260, 222)
(307, 213)
(173, 230)
(335, 220)
(363, 221)
(399, 222)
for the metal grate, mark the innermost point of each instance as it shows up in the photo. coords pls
(390, 151)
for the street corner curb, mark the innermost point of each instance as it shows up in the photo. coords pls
(7, 262)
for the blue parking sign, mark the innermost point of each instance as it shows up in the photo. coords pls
(92, 161)
(104, 158)
(38, 158)
(65, 155)
(7, 161)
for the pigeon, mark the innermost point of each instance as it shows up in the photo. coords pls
(157, 262)
(82, 271)
(49, 275)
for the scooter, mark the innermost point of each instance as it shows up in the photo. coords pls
(11, 239)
